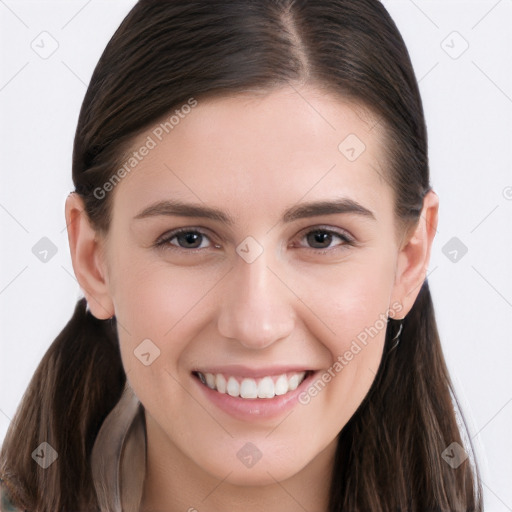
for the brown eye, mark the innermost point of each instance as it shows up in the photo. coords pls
(319, 240)
(187, 239)
(322, 239)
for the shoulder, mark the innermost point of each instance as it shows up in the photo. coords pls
(6, 504)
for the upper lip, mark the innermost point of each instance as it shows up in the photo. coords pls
(246, 371)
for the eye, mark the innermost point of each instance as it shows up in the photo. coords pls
(190, 239)
(321, 238)
(187, 239)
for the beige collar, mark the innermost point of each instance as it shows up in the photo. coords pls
(118, 459)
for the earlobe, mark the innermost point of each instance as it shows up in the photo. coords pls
(87, 258)
(414, 257)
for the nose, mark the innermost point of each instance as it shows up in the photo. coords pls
(257, 307)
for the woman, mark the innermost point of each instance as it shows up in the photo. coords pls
(259, 368)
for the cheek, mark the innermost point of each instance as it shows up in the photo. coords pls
(351, 307)
(159, 310)
(350, 302)
(154, 297)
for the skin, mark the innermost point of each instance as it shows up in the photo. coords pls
(252, 156)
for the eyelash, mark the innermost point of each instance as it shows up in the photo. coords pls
(164, 242)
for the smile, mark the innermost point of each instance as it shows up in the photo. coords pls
(251, 388)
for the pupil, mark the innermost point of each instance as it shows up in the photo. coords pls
(189, 237)
(321, 238)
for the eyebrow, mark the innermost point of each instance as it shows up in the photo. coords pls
(300, 211)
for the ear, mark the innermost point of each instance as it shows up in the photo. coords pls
(87, 256)
(414, 256)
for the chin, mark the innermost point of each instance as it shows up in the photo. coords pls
(266, 471)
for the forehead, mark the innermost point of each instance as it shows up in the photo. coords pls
(257, 152)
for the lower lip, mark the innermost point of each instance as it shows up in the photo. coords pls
(247, 409)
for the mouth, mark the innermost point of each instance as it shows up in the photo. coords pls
(248, 388)
(251, 394)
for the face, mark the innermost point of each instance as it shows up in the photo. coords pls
(268, 288)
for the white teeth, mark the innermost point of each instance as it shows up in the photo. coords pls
(220, 383)
(249, 388)
(281, 386)
(233, 387)
(293, 382)
(210, 380)
(266, 388)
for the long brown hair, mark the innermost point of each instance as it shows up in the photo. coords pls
(389, 454)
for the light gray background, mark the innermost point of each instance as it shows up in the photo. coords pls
(468, 102)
